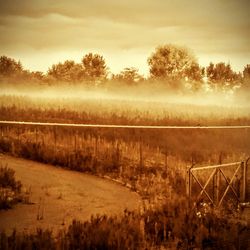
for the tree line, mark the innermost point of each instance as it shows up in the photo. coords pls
(175, 66)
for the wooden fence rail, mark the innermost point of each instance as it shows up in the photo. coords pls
(216, 178)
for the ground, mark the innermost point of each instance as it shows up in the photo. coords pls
(58, 196)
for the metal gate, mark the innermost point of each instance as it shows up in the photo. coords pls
(216, 182)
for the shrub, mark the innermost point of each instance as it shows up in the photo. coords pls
(10, 189)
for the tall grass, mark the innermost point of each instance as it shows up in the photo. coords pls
(169, 226)
(153, 163)
(10, 188)
(119, 111)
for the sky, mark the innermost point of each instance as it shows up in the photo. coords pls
(40, 33)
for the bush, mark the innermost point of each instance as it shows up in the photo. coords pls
(171, 226)
(10, 189)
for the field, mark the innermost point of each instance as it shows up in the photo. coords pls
(151, 162)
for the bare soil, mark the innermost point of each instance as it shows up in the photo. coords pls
(58, 196)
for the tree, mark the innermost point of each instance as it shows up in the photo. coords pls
(242, 94)
(174, 64)
(246, 78)
(128, 75)
(9, 67)
(94, 67)
(221, 77)
(246, 72)
(69, 71)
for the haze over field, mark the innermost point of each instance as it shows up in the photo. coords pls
(144, 93)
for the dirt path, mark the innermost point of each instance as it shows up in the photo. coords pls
(60, 195)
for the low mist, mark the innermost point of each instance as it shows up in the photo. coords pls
(150, 92)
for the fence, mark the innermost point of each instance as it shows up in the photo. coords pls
(212, 187)
(68, 145)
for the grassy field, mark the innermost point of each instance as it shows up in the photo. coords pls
(151, 162)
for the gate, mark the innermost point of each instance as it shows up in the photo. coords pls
(215, 183)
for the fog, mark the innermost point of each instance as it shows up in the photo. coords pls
(150, 93)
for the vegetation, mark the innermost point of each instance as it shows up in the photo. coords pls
(102, 110)
(144, 160)
(169, 226)
(129, 76)
(222, 76)
(150, 162)
(175, 66)
(10, 189)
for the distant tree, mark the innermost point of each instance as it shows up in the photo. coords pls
(194, 76)
(69, 71)
(9, 67)
(94, 67)
(242, 94)
(34, 76)
(37, 75)
(129, 76)
(174, 63)
(220, 76)
(246, 72)
(245, 86)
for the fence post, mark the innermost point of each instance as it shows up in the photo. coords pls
(217, 187)
(244, 180)
(216, 183)
(187, 182)
(36, 134)
(18, 135)
(55, 138)
(96, 146)
(141, 156)
(75, 135)
(166, 161)
(188, 185)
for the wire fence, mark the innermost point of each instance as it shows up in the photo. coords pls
(121, 126)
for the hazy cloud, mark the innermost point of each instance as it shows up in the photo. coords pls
(211, 28)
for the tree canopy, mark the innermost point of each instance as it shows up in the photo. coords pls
(69, 71)
(128, 75)
(246, 72)
(221, 76)
(174, 63)
(10, 67)
(94, 67)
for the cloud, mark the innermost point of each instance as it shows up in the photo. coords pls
(215, 27)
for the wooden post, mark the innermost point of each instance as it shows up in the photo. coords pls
(216, 183)
(96, 146)
(36, 134)
(217, 187)
(18, 135)
(244, 180)
(187, 182)
(55, 139)
(166, 161)
(117, 152)
(141, 158)
(75, 143)
(188, 187)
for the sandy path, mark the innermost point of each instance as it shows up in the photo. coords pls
(62, 195)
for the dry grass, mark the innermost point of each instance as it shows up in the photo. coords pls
(151, 162)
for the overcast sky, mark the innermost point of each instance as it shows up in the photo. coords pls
(42, 32)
